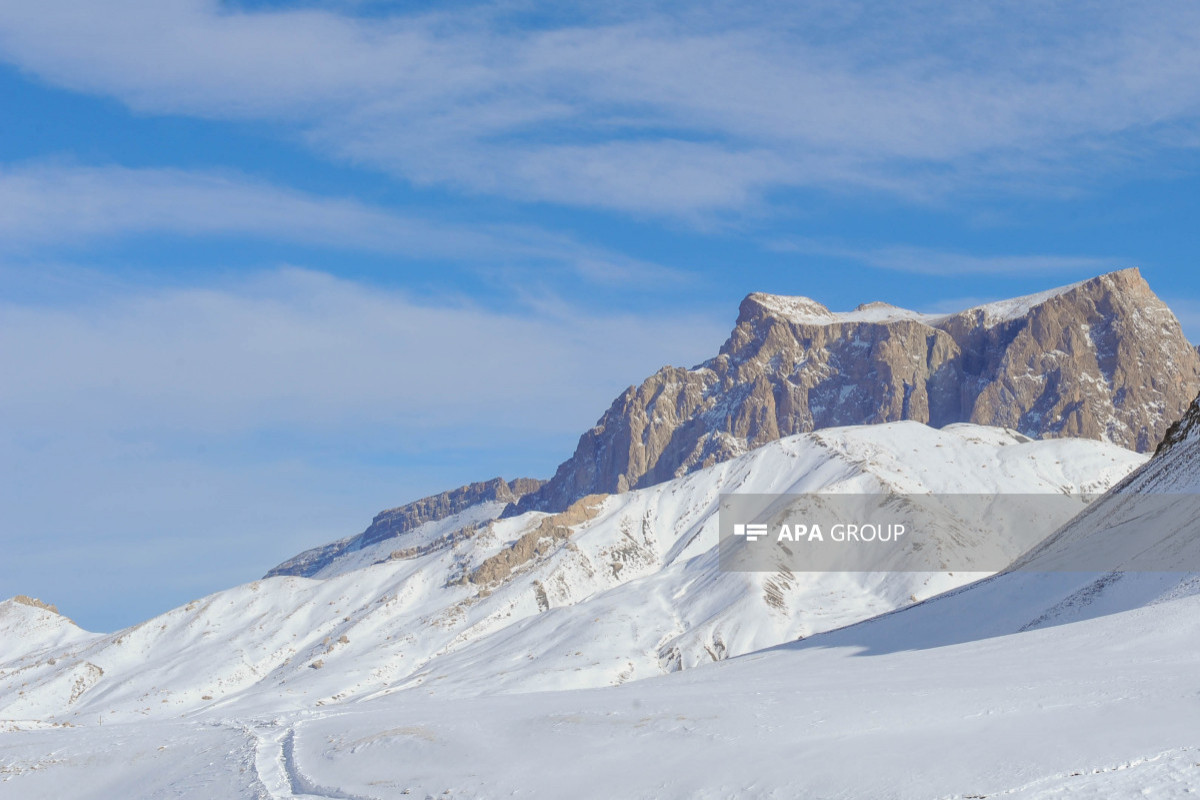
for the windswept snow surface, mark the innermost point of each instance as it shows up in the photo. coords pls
(397, 680)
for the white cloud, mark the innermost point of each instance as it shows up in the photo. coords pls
(676, 111)
(60, 205)
(45, 203)
(303, 348)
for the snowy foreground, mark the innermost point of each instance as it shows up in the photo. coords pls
(1100, 708)
(1026, 684)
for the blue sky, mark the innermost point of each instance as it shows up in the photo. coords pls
(268, 268)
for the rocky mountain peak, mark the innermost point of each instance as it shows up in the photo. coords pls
(33, 602)
(759, 305)
(877, 305)
(1102, 359)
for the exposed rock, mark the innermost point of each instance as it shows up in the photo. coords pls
(1103, 359)
(396, 521)
(391, 523)
(450, 540)
(535, 543)
(1181, 430)
(26, 600)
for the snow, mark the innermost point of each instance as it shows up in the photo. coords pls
(423, 535)
(1103, 708)
(633, 593)
(808, 311)
(1027, 684)
(27, 628)
(1017, 307)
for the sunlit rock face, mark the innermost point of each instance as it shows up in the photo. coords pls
(1105, 359)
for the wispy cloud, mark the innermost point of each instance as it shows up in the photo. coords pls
(676, 111)
(301, 347)
(56, 206)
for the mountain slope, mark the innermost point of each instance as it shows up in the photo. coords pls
(1036, 683)
(1101, 708)
(1133, 549)
(617, 588)
(1104, 359)
(486, 500)
(30, 626)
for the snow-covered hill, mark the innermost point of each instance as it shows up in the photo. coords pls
(1103, 707)
(615, 589)
(1130, 551)
(28, 625)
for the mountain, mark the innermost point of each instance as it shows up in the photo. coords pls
(614, 589)
(416, 657)
(1043, 681)
(1035, 684)
(1031, 684)
(488, 498)
(1103, 359)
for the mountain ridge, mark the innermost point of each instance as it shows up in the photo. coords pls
(625, 587)
(1103, 359)
(393, 522)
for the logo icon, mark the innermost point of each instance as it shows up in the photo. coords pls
(751, 532)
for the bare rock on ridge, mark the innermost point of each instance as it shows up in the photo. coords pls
(1103, 359)
(396, 521)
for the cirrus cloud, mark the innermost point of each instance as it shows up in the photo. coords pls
(54, 206)
(672, 111)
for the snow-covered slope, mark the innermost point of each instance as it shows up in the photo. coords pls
(1102, 709)
(809, 311)
(1131, 550)
(29, 626)
(614, 589)
(1027, 685)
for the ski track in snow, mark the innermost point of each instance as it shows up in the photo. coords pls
(277, 776)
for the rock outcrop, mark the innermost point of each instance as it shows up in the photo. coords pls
(1103, 359)
(395, 521)
(33, 602)
(1184, 429)
(541, 539)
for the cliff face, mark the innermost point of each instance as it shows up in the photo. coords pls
(1104, 359)
(395, 521)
